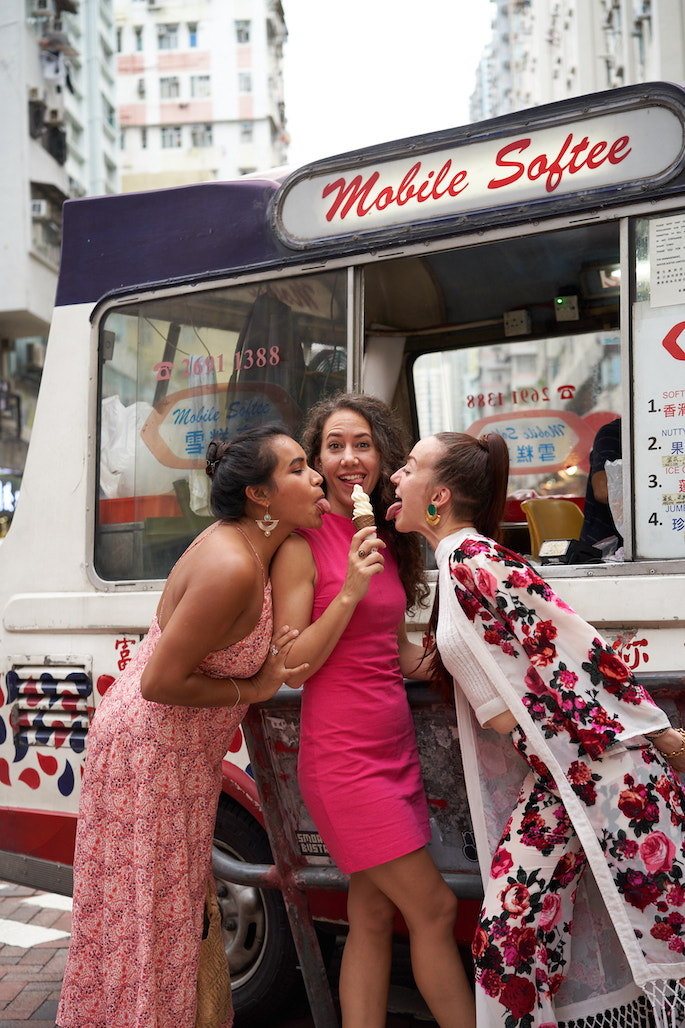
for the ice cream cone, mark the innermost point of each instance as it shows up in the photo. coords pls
(363, 521)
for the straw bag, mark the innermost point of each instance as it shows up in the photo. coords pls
(214, 1005)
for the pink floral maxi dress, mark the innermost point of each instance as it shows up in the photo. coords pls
(580, 824)
(143, 847)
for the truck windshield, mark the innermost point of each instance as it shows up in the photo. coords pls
(179, 370)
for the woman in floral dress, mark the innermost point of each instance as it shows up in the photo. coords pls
(142, 865)
(578, 812)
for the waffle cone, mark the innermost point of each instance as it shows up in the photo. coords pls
(363, 521)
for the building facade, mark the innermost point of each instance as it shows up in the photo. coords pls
(546, 50)
(200, 90)
(57, 88)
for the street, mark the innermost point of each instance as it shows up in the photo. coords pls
(34, 938)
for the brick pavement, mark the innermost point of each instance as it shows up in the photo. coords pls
(34, 938)
(30, 975)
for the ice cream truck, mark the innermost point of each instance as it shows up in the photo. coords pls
(524, 275)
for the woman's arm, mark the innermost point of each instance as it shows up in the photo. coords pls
(293, 578)
(414, 663)
(214, 599)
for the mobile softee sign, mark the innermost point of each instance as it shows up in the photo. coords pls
(516, 166)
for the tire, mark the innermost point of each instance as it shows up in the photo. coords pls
(265, 976)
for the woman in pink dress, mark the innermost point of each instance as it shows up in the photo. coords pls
(153, 772)
(347, 592)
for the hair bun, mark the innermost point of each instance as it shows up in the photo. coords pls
(216, 450)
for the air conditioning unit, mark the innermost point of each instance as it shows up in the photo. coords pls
(40, 210)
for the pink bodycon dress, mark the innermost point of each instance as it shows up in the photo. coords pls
(358, 765)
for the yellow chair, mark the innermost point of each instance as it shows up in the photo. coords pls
(551, 518)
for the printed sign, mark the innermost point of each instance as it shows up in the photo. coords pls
(659, 431)
(540, 442)
(631, 145)
(182, 425)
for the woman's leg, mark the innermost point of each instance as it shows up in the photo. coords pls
(522, 942)
(419, 891)
(365, 967)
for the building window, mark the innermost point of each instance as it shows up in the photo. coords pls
(108, 112)
(171, 137)
(244, 82)
(143, 138)
(201, 135)
(192, 33)
(139, 37)
(242, 31)
(122, 140)
(119, 39)
(167, 37)
(141, 88)
(246, 132)
(170, 88)
(200, 85)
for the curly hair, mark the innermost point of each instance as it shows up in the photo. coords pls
(390, 442)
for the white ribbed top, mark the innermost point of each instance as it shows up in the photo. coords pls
(456, 636)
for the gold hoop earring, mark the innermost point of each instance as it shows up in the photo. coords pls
(432, 517)
(267, 523)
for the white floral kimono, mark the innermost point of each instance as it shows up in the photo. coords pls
(580, 824)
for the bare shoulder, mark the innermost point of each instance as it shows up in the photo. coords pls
(293, 560)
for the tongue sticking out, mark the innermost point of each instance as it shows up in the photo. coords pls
(393, 510)
(323, 505)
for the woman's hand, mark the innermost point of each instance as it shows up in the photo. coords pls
(363, 562)
(669, 742)
(273, 672)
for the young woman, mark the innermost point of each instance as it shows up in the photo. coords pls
(577, 811)
(347, 592)
(153, 773)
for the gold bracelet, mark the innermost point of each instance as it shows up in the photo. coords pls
(676, 753)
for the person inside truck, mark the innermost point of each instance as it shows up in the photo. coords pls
(142, 868)
(570, 766)
(598, 521)
(347, 591)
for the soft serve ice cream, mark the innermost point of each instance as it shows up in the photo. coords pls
(362, 511)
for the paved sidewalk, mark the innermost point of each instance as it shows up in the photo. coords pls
(32, 961)
(34, 939)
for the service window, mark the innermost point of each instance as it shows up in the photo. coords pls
(180, 370)
(519, 336)
(546, 397)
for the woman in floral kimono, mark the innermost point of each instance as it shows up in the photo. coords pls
(576, 806)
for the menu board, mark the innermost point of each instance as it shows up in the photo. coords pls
(659, 396)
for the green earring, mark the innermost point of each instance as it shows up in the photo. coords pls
(432, 517)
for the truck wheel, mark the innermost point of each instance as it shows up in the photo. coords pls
(259, 948)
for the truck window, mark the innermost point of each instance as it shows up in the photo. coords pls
(179, 370)
(547, 397)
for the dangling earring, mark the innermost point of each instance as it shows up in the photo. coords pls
(268, 524)
(432, 517)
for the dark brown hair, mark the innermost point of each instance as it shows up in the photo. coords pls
(249, 459)
(476, 471)
(391, 444)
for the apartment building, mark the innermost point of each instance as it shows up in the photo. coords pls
(200, 90)
(57, 87)
(546, 50)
